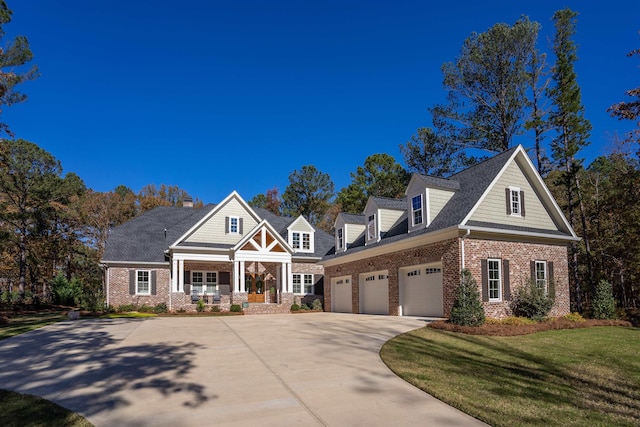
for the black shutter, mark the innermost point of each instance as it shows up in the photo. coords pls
(187, 277)
(507, 283)
(552, 285)
(132, 282)
(187, 288)
(224, 278)
(522, 203)
(153, 283)
(226, 225)
(240, 225)
(485, 280)
(532, 266)
(508, 197)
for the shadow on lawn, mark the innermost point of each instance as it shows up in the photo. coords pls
(78, 366)
(508, 371)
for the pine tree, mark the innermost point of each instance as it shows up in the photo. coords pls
(467, 309)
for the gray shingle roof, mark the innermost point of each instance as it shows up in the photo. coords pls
(143, 238)
(437, 182)
(350, 218)
(388, 203)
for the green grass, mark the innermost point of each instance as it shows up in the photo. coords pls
(25, 410)
(572, 377)
(129, 315)
(21, 323)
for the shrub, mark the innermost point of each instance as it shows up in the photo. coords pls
(512, 320)
(467, 309)
(603, 305)
(181, 310)
(305, 307)
(531, 301)
(160, 308)
(126, 308)
(144, 308)
(66, 292)
(200, 306)
(215, 309)
(295, 307)
(317, 304)
(574, 317)
(235, 308)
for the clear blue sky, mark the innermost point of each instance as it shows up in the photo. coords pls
(215, 96)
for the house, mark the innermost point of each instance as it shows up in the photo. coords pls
(404, 256)
(225, 254)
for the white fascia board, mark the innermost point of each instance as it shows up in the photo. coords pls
(234, 194)
(400, 245)
(134, 263)
(262, 257)
(194, 256)
(517, 233)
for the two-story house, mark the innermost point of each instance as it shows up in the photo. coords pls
(404, 256)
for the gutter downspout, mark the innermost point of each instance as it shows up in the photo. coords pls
(106, 281)
(462, 245)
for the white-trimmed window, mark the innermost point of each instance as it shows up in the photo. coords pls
(371, 227)
(306, 241)
(340, 238)
(416, 209)
(143, 282)
(494, 279)
(204, 282)
(515, 201)
(541, 275)
(211, 282)
(234, 225)
(301, 241)
(295, 240)
(303, 279)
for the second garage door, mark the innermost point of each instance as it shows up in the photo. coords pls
(421, 290)
(374, 292)
(341, 294)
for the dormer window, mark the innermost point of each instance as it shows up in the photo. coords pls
(371, 227)
(515, 201)
(295, 241)
(340, 237)
(416, 209)
(301, 241)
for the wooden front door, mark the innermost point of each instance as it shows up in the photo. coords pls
(255, 287)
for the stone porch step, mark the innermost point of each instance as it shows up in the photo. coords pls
(260, 308)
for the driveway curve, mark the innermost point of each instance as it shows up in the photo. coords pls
(309, 369)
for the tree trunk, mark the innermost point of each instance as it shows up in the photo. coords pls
(22, 265)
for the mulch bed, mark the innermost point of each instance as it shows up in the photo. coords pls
(496, 329)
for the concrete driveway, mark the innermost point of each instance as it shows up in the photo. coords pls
(272, 370)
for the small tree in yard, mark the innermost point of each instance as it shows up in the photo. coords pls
(532, 301)
(467, 309)
(603, 305)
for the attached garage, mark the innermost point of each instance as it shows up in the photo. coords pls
(374, 292)
(420, 288)
(341, 294)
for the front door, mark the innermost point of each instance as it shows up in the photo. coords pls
(255, 287)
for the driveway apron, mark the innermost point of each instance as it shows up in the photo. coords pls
(273, 370)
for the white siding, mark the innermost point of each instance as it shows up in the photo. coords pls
(213, 230)
(493, 207)
(354, 231)
(301, 225)
(388, 217)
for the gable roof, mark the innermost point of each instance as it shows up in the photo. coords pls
(436, 182)
(387, 203)
(473, 183)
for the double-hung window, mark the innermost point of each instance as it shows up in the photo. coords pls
(197, 282)
(541, 275)
(371, 227)
(416, 208)
(143, 282)
(514, 202)
(234, 227)
(494, 279)
(295, 240)
(303, 284)
(340, 239)
(306, 241)
(211, 281)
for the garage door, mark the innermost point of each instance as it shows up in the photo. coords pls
(421, 291)
(341, 294)
(374, 292)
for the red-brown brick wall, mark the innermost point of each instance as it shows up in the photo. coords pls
(448, 252)
(119, 287)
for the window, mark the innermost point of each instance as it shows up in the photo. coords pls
(493, 270)
(306, 241)
(301, 241)
(515, 201)
(204, 282)
(299, 280)
(197, 282)
(143, 282)
(295, 240)
(371, 227)
(416, 208)
(340, 239)
(541, 275)
(211, 282)
(233, 225)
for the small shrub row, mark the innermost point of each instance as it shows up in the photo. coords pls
(235, 308)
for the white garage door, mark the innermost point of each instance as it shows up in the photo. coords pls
(374, 292)
(341, 294)
(421, 291)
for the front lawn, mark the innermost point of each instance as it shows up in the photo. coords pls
(17, 323)
(25, 410)
(572, 377)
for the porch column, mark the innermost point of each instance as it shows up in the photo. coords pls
(181, 275)
(174, 276)
(241, 285)
(236, 277)
(289, 278)
(283, 277)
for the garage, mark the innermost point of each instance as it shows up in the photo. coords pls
(374, 292)
(341, 294)
(420, 288)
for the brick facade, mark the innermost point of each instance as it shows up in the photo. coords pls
(449, 253)
(119, 294)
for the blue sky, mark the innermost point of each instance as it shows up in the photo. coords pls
(215, 96)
